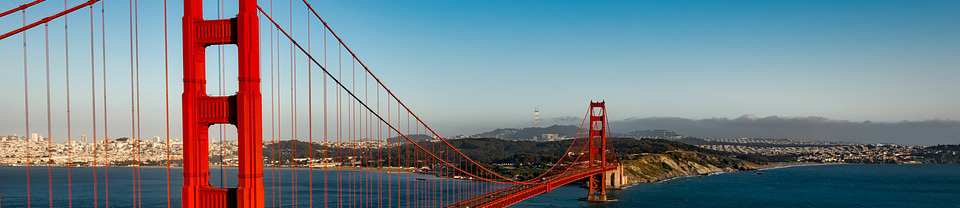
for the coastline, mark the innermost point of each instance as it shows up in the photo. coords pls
(789, 165)
(662, 167)
(770, 166)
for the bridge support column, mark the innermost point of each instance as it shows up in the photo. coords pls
(615, 178)
(200, 111)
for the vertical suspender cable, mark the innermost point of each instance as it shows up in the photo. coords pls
(273, 171)
(66, 46)
(136, 33)
(279, 124)
(370, 153)
(352, 110)
(410, 163)
(106, 137)
(279, 119)
(46, 43)
(400, 166)
(293, 114)
(139, 140)
(378, 165)
(340, 130)
(390, 159)
(436, 186)
(367, 147)
(361, 139)
(26, 108)
(310, 117)
(220, 86)
(358, 151)
(93, 108)
(166, 95)
(433, 171)
(325, 142)
(133, 118)
(416, 167)
(350, 138)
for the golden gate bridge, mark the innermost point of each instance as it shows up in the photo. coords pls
(331, 107)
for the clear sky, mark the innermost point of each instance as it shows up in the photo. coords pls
(471, 66)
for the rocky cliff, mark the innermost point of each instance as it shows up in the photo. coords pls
(648, 168)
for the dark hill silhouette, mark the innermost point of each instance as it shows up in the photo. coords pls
(529, 133)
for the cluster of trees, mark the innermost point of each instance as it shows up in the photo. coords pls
(520, 159)
(530, 133)
(942, 154)
(499, 151)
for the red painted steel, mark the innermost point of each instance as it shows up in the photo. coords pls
(512, 195)
(596, 144)
(200, 111)
(47, 19)
(593, 168)
(21, 7)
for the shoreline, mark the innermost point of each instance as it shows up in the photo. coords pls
(790, 165)
(771, 166)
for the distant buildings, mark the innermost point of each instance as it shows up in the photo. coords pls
(820, 152)
(652, 134)
(35, 150)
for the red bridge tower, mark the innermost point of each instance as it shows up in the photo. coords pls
(200, 111)
(597, 149)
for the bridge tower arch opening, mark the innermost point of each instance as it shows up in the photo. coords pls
(243, 109)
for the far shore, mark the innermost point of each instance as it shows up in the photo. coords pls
(768, 166)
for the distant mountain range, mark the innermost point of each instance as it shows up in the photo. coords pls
(530, 133)
(566, 131)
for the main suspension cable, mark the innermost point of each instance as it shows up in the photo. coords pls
(26, 27)
(354, 96)
(354, 56)
(20, 8)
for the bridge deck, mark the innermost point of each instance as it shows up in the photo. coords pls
(514, 194)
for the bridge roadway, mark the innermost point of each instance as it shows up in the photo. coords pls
(514, 194)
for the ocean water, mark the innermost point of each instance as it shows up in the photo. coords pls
(360, 188)
(847, 186)
(854, 185)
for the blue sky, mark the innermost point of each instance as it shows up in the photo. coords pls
(470, 66)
